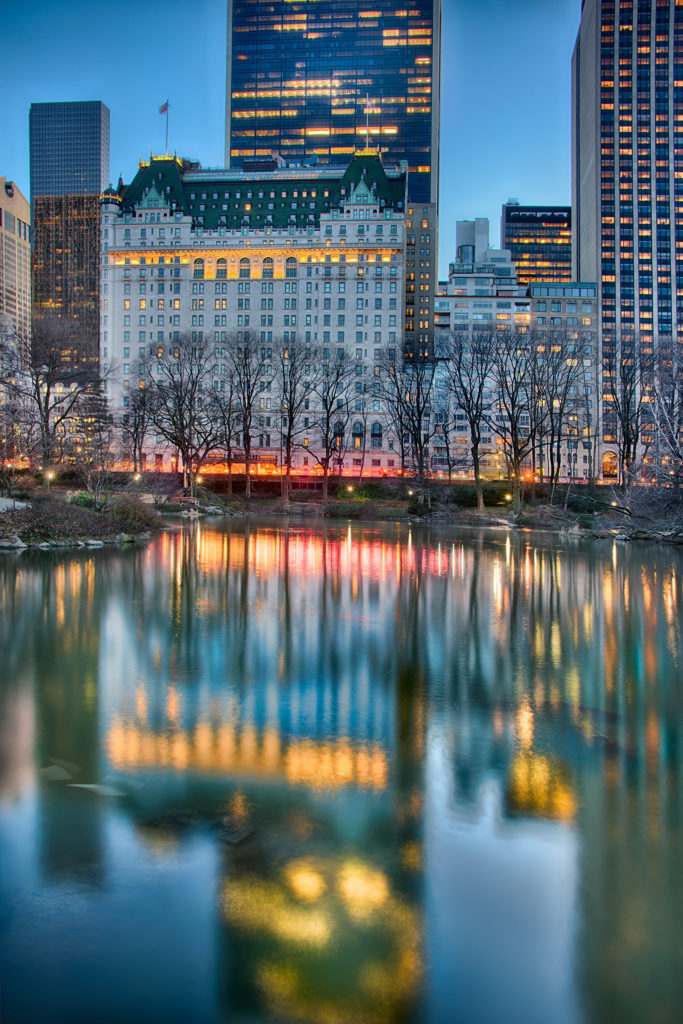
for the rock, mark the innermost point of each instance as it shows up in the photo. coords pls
(124, 538)
(12, 543)
(91, 543)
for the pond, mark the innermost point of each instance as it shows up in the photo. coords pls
(267, 772)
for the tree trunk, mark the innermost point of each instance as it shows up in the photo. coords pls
(325, 485)
(481, 507)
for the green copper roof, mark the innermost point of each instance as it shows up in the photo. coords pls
(277, 199)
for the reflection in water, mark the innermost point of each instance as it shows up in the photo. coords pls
(365, 775)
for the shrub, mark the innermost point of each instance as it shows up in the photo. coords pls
(82, 499)
(135, 514)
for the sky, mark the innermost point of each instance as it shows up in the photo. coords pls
(505, 100)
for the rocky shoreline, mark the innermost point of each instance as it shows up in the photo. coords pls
(13, 542)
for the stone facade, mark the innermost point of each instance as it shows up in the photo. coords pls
(308, 255)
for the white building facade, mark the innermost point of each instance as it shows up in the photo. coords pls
(282, 255)
(482, 296)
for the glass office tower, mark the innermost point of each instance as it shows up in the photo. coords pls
(312, 81)
(627, 194)
(69, 148)
(540, 241)
(628, 163)
(69, 155)
(317, 79)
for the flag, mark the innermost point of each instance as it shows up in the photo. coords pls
(163, 109)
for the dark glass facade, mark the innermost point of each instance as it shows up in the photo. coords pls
(638, 146)
(69, 154)
(314, 80)
(540, 241)
(69, 148)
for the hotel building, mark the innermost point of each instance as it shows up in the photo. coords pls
(314, 255)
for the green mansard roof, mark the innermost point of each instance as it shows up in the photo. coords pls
(233, 199)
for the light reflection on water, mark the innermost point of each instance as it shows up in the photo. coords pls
(340, 774)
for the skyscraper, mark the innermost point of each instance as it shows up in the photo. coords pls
(15, 263)
(315, 80)
(627, 162)
(69, 154)
(318, 79)
(627, 85)
(539, 239)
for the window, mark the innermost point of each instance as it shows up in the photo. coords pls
(221, 267)
(290, 267)
(267, 267)
(198, 268)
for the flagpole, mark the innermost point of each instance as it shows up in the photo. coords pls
(166, 149)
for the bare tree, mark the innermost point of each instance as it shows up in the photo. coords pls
(228, 422)
(92, 453)
(295, 377)
(666, 410)
(247, 365)
(588, 409)
(359, 433)
(181, 395)
(331, 418)
(469, 364)
(514, 394)
(558, 371)
(390, 389)
(627, 369)
(46, 391)
(444, 428)
(408, 392)
(136, 424)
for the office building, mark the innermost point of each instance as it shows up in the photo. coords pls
(312, 81)
(313, 255)
(15, 265)
(69, 155)
(627, 192)
(483, 295)
(539, 239)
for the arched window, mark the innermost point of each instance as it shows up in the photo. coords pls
(245, 267)
(290, 267)
(357, 433)
(609, 465)
(221, 267)
(198, 268)
(268, 267)
(376, 435)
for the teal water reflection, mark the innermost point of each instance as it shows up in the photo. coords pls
(341, 774)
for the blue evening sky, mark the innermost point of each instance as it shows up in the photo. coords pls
(505, 123)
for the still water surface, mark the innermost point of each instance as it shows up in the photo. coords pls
(266, 773)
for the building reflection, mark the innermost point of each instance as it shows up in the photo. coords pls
(280, 688)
